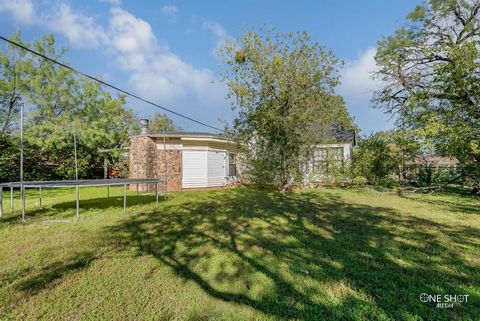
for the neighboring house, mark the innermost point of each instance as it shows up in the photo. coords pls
(185, 159)
(435, 161)
(432, 166)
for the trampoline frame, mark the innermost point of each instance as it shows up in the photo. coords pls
(77, 184)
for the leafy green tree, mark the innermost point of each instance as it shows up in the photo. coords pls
(386, 154)
(61, 104)
(162, 122)
(34, 168)
(373, 159)
(15, 70)
(431, 74)
(404, 147)
(282, 86)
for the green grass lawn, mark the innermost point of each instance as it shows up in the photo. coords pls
(241, 255)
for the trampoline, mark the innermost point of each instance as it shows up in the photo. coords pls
(77, 184)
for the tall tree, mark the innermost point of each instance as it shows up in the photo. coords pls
(61, 104)
(15, 70)
(431, 71)
(161, 122)
(281, 84)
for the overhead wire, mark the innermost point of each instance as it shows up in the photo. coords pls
(104, 83)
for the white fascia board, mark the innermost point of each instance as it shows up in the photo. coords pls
(208, 139)
(332, 145)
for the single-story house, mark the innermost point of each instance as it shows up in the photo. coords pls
(186, 159)
(201, 160)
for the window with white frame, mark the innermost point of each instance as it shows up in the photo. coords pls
(322, 157)
(336, 155)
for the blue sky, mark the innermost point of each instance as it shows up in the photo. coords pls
(165, 50)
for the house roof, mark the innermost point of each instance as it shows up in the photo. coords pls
(336, 133)
(182, 134)
(343, 135)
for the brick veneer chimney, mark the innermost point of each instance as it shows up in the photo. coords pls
(149, 161)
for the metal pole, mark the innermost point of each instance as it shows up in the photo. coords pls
(1, 201)
(11, 199)
(40, 196)
(75, 152)
(108, 191)
(165, 159)
(78, 203)
(22, 188)
(22, 195)
(77, 189)
(125, 198)
(156, 192)
(105, 166)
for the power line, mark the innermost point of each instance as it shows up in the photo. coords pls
(107, 84)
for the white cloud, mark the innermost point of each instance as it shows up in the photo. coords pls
(129, 34)
(21, 10)
(357, 88)
(156, 72)
(216, 29)
(356, 77)
(80, 30)
(169, 10)
(218, 32)
(113, 2)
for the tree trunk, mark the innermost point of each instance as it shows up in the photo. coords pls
(476, 177)
(476, 187)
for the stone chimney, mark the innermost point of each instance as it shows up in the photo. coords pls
(144, 126)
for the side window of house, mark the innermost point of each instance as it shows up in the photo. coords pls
(320, 159)
(232, 165)
(336, 154)
(323, 156)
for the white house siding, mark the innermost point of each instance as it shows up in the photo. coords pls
(205, 162)
(216, 168)
(195, 172)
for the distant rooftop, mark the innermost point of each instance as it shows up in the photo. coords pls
(435, 160)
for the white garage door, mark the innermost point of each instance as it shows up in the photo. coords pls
(194, 168)
(216, 168)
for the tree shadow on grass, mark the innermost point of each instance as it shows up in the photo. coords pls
(452, 198)
(309, 255)
(464, 205)
(52, 272)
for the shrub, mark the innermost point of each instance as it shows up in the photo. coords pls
(360, 181)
